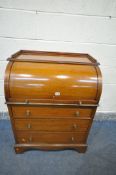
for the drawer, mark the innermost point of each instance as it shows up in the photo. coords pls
(47, 112)
(50, 138)
(52, 124)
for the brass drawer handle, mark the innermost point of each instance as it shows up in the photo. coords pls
(28, 125)
(26, 101)
(23, 140)
(30, 139)
(77, 113)
(75, 126)
(28, 113)
(72, 139)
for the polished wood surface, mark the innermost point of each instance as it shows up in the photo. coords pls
(52, 98)
(71, 124)
(50, 112)
(51, 138)
(46, 81)
(53, 57)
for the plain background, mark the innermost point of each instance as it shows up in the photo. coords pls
(62, 25)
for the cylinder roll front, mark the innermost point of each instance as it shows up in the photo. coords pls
(31, 80)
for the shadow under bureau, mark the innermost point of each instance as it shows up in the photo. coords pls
(52, 98)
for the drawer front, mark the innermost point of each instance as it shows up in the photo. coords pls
(51, 138)
(52, 124)
(46, 112)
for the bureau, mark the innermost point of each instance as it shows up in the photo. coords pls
(52, 98)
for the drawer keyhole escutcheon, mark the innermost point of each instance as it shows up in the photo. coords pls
(56, 94)
(28, 125)
(30, 139)
(28, 113)
(23, 140)
(77, 113)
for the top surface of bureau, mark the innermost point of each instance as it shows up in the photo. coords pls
(55, 57)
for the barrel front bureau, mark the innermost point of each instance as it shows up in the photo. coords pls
(52, 98)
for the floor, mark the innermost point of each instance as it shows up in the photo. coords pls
(100, 158)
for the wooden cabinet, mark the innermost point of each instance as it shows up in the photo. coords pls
(52, 98)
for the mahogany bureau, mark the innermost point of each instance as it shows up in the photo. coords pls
(52, 98)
